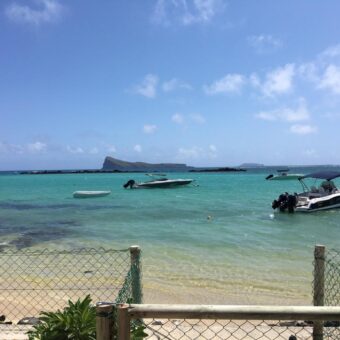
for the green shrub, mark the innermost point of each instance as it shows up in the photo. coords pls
(76, 322)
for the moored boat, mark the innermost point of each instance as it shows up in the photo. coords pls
(162, 182)
(90, 194)
(283, 175)
(313, 198)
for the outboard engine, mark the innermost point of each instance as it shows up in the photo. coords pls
(269, 176)
(285, 201)
(129, 183)
(281, 202)
(291, 203)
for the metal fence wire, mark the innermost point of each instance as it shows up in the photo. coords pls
(332, 278)
(44, 280)
(210, 322)
(188, 329)
(326, 285)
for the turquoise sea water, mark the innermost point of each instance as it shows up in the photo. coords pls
(216, 242)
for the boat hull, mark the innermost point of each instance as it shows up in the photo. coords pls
(285, 177)
(90, 194)
(319, 204)
(164, 184)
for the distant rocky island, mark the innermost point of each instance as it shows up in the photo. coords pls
(112, 165)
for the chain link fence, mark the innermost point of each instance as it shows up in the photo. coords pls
(187, 329)
(332, 278)
(189, 322)
(326, 286)
(44, 280)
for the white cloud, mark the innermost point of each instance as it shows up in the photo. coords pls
(310, 153)
(231, 83)
(137, 148)
(10, 148)
(149, 128)
(331, 79)
(175, 84)
(279, 81)
(212, 151)
(36, 147)
(197, 153)
(148, 86)
(331, 52)
(75, 150)
(303, 129)
(201, 11)
(94, 151)
(197, 118)
(254, 80)
(264, 43)
(301, 113)
(191, 153)
(186, 12)
(111, 149)
(309, 71)
(46, 11)
(177, 118)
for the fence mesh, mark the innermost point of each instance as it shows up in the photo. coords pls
(44, 280)
(187, 329)
(326, 285)
(332, 278)
(332, 289)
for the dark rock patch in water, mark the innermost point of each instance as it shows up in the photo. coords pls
(30, 206)
(30, 238)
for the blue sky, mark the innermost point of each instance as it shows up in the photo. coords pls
(202, 82)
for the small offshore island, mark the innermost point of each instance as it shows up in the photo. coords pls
(113, 165)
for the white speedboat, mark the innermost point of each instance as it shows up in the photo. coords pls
(90, 194)
(314, 198)
(162, 182)
(283, 175)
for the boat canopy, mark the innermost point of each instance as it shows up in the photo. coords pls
(327, 175)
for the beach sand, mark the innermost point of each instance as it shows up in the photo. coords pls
(15, 308)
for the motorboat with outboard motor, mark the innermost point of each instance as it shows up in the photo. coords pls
(283, 175)
(314, 198)
(162, 182)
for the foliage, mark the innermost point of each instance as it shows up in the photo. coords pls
(137, 332)
(76, 322)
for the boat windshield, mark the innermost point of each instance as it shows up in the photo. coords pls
(323, 184)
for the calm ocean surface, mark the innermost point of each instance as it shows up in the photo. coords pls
(217, 242)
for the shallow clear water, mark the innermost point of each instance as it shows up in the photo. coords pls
(217, 242)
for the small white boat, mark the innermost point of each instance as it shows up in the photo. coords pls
(324, 197)
(283, 175)
(90, 194)
(157, 183)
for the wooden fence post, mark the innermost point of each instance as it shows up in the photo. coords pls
(136, 274)
(319, 287)
(104, 321)
(123, 322)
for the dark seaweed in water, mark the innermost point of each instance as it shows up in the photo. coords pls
(30, 206)
(33, 237)
(29, 236)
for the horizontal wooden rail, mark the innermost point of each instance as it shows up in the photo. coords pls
(233, 312)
